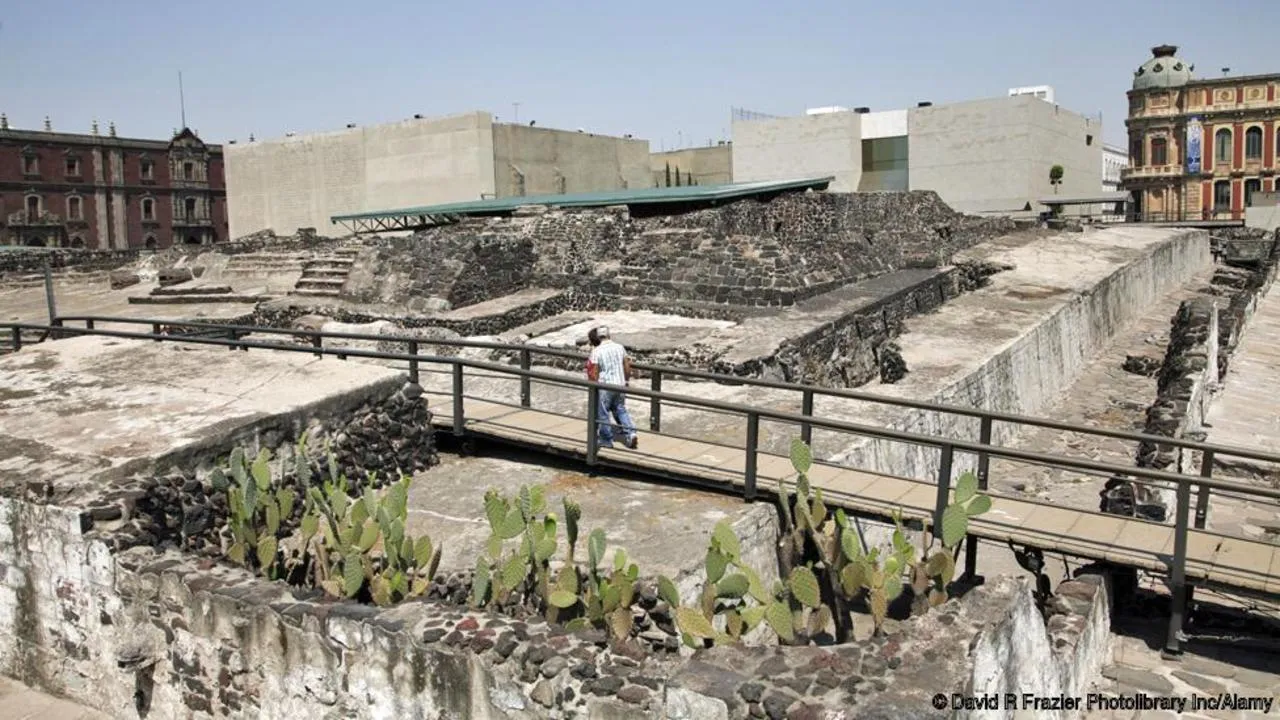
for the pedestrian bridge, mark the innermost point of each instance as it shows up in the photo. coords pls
(1185, 552)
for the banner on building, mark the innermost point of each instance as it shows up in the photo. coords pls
(1195, 135)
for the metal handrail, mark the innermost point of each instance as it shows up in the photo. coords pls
(762, 413)
(808, 392)
(947, 446)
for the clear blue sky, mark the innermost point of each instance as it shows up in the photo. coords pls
(659, 70)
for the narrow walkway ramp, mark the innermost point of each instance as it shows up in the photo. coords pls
(1212, 559)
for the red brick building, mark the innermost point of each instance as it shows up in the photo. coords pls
(1199, 148)
(107, 192)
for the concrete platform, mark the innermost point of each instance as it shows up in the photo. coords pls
(23, 703)
(663, 528)
(82, 409)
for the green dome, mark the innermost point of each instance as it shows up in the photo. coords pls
(1163, 70)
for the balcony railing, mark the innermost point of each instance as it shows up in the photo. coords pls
(27, 218)
(1151, 171)
(192, 221)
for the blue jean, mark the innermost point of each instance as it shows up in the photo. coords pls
(613, 406)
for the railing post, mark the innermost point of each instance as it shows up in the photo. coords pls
(655, 404)
(17, 338)
(593, 421)
(984, 469)
(526, 391)
(458, 417)
(806, 409)
(944, 488)
(1202, 494)
(88, 324)
(753, 446)
(155, 330)
(413, 362)
(317, 343)
(1178, 573)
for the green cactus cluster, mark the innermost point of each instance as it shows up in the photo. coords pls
(729, 591)
(349, 547)
(258, 506)
(565, 594)
(361, 546)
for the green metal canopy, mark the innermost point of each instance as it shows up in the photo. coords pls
(416, 218)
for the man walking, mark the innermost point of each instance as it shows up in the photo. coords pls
(610, 365)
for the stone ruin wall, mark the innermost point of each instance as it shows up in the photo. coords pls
(746, 253)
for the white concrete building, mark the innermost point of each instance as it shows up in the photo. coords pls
(1114, 160)
(302, 180)
(990, 155)
(1044, 92)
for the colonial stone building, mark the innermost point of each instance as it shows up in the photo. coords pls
(107, 192)
(1199, 148)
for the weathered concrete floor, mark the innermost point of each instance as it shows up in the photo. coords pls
(73, 409)
(664, 529)
(1205, 669)
(640, 330)
(94, 296)
(20, 702)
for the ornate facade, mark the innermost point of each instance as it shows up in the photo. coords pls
(1199, 148)
(106, 192)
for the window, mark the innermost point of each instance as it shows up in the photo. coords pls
(33, 206)
(1250, 187)
(190, 207)
(1159, 151)
(148, 209)
(1222, 195)
(188, 171)
(148, 170)
(150, 242)
(1088, 139)
(73, 167)
(30, 165)
(77, 241)
(1253, 143)
(1222, 146)
(1135, 153)
(74, 210)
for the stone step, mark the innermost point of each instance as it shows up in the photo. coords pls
(335, 261)
(189, 299)
(321, 282)
(312, 272)
(317, 293)
(193, 290)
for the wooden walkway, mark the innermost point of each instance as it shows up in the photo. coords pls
(1212, 559)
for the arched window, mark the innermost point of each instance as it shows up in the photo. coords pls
(1253, 143)
(33, 207)
(77, 241)
(1222, 146)
(1159, 151)
(1135, 153)
(74, 209)
(151, 242)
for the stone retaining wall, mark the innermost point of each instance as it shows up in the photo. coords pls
(153, 633)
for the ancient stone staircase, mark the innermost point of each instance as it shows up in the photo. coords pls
(324, 276)
(264, 263)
